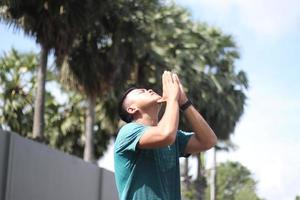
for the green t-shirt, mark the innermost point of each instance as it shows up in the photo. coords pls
(147, 174)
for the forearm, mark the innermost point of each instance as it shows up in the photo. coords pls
(164, 133)
(169, 122)
(203, 133)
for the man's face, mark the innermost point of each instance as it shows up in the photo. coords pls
(141, 98)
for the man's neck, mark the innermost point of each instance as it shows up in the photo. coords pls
(149, 118)
(149, 121)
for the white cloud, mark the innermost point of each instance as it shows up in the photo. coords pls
(268, 142)
(267, 18)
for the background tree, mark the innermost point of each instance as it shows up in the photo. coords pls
(16, 85)
(53, 25)
(234, 181)
(64, 120)
(226, 145)
(101, 58)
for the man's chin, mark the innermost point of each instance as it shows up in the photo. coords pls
(160, 100)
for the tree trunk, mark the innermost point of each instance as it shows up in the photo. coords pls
(187, 180)
(213, 176)
(39, 105)
(89, 129)
(200, 183)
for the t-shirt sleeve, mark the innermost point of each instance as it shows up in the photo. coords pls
(183, 138)
(129, 136)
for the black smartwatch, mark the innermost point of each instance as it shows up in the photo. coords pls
(184, 106)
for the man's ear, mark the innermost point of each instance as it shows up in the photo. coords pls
(132, 110)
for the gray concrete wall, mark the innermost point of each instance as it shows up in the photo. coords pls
(33, 171)
(4, 142)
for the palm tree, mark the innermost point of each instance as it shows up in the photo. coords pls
(64, 121)
(16, 84)
(101, 58)
(53, 25)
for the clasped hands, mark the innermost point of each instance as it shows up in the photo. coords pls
(172, 89)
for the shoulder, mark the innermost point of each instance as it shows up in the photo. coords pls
(130, 131)
(130, 128)
(128, 136)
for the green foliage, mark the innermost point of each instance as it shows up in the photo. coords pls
(136, 47)
(297, 197)
(189, 194)
(64, 121)
(48, 22)
(67, 128)
(16, 86)
(234, 182)
(204, 59)
(110, 44)
(53, 24)
(107, 45)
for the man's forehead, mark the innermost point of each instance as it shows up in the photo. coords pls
(127, 99)
(135, 91)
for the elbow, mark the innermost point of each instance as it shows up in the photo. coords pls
(210, 143)
(214, 139)
(169, 138)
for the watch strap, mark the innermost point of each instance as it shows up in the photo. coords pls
(187, 104)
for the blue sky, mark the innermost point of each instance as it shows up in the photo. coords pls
(268, 35)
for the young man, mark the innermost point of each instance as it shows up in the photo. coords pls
(147, 150)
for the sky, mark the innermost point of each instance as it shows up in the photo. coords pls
(268, 36)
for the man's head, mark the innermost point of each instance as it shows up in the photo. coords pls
(136, 100)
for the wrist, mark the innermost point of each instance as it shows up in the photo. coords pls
(172, 100)
(183, 101)
(185, 105)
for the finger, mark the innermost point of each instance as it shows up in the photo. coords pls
(175, 78)
(164, 82)
(163, 79)
(180, 85)
(169, 77)
(164, 85)
(178, 79)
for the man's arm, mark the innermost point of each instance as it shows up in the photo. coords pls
(165, 132)
(204, 137)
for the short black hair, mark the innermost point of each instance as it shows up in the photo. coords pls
(124, 115)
